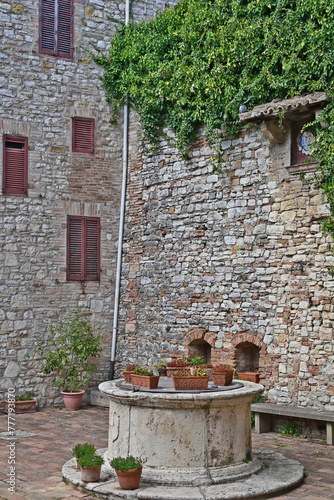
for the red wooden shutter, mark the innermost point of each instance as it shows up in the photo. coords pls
(82, 135)
(75, 257)
(47, 27)
(15, 171)
(83, 248)
(64, 32)
(92, 249)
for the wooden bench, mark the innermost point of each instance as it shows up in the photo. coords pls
(264, 411)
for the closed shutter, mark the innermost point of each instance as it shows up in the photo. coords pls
(75, 257)
(47, 27)
(92, 249)
(83, 135)
(15, 172)
(64, 31)
(83, 248)
(56, 27)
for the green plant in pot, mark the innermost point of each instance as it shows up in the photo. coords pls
(81, 450)
(24, 402)
(144, 377)
(128, 470)
(223, 374)
(129, 371)
(161, 367)
(90, 466)
(198, 379)
(67, 353)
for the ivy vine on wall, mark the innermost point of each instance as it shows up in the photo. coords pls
(197, 62)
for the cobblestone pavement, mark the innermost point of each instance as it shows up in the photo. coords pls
(40, 457)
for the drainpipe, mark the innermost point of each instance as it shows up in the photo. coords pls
(121, 220)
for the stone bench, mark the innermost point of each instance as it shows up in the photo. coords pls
(264, 411)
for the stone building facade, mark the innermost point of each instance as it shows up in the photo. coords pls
(41, 94)
(233, 263)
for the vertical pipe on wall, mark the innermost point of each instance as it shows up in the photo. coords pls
(121, 220)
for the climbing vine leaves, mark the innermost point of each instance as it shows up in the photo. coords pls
(197, 62)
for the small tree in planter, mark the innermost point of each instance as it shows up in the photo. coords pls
(66, 351)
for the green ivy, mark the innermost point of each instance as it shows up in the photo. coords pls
(197, 62)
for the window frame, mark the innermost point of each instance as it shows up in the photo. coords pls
(70, 276)
(75, 121)
(56, 51)
(24, 184)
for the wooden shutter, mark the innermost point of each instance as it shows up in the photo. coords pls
(15, 171)
(56, 27)
(82, 135)
(64, 32)
(75, 257)
(83, 248)
(47, 42)
(92, 249)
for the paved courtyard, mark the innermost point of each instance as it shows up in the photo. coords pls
(53, 433)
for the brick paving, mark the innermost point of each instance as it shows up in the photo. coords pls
(39, 458)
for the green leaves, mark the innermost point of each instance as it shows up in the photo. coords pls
(197, 62)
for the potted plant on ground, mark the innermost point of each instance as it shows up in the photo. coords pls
(184, 380)
(83, 449)
(223, 374)
(161, 368)
(145, 378)
(21, 403)
(129, 370)
(90, 467)
(67, 353)
(128, 471)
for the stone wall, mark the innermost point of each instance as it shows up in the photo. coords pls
(39, 96)
(230, 257)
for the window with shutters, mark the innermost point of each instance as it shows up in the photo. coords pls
(83, 248)
(56, 27)
(82, 135)
(15, 165)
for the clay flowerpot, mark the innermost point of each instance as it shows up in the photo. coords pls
(149, 382)
(192, 382)
(27, 406)
(222, 378)
(72, 400)
(172, 369)
(127, 376)
(129, 479)
(90, 474)
(250, 376)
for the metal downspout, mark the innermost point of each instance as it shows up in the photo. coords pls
(121, 220)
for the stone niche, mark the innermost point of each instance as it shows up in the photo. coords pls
(247, 356)
(200, 347)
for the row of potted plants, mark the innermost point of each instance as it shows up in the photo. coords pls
(89, 463)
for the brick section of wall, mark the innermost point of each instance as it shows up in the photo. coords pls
(230, 256)
(39, 96)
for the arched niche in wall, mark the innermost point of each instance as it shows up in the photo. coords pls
(247, 357)
(200, 347)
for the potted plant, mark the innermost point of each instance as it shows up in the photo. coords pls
(175, 365)
(128, 471)
(161, 368)
(83, 449)
(184, 380)
(145, 378)
(250, 376)
(21, 403)
(223, 374)
(129, 370)
(67, 353)
(90, 467)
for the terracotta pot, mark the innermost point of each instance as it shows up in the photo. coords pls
(90, 474)
(27, 406)
(162, 372)
(250, 376)
(129, 479)
(127, 376)
(222, 378)
(172, 369)
(72, 400)
(190, 383)
(145, 381)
